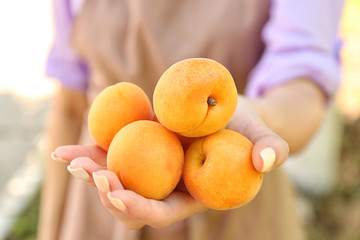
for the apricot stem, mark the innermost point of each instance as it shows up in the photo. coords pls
(211, 101)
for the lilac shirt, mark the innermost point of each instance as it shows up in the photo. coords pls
(300, 40)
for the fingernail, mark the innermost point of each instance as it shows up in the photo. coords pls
(101, 183)
(268, 156)
(116, 202)
(54, 157)
(78, 172)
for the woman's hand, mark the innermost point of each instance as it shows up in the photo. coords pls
(134, 211)
(290, 112)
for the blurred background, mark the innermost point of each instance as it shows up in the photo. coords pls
(329, 191)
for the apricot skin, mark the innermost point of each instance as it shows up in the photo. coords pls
(147, 158)
(115, 107)
(218, 170)
(181, 97)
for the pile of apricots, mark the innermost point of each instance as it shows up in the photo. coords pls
(182, 134)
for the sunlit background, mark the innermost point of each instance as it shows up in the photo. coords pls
(25, 37)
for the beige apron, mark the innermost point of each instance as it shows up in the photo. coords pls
(135, 41)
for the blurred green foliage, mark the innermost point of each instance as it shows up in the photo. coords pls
(337, 215)
(25, 226)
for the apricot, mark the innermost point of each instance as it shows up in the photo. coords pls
(218, 170)
(115, 107)
(195, 97)
(147, 158)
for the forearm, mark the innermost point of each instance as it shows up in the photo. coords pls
(293, 110)
(63, 128)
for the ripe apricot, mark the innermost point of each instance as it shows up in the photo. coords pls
(218, 170)
(147, 158)
(115, 107)
(195, 97)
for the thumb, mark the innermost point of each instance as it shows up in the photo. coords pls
(269, 150)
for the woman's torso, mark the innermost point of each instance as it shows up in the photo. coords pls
(135, 41)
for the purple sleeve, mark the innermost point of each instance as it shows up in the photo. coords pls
(301, 41)
(62, 62)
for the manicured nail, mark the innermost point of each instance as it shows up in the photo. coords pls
(78, 172)
(54, 157)
(268, 156)
(116, 202)
(101, 183)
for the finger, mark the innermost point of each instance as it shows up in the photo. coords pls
(107, 181)
(82, 168)
(269, 150)
(70, 152)
(157, 214)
